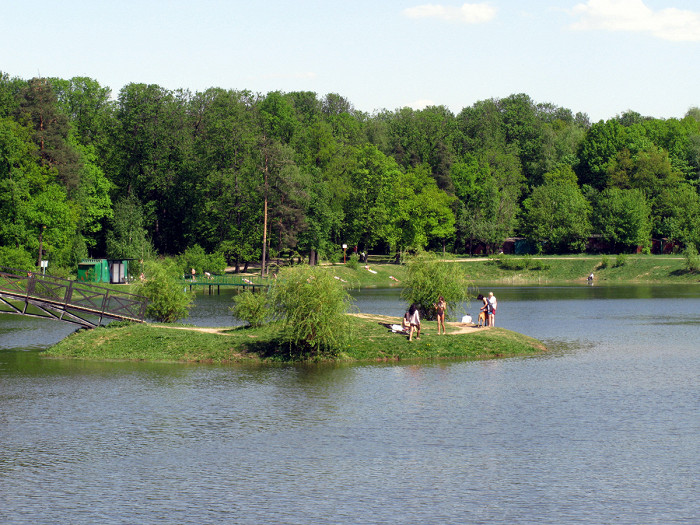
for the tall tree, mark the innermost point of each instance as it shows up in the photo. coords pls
(38, 108)
(557, 213)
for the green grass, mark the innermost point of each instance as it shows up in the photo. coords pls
(659, 269)
(370, 341)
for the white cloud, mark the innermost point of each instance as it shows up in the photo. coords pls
(633, 15)
(468, 13)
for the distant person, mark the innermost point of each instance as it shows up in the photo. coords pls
(414, 320)
(492, 305)
(193, 272)
(590, 278)
(440, 308)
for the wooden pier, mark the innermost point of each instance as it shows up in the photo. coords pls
(216, 282)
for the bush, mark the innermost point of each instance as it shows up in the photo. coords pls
(251, 307)
(169, 301)
(692, 259)
(353, 261)
(195, 257)
(620, 260)
(604, 262)
(17, 259)
(428, 278)
(312, 307)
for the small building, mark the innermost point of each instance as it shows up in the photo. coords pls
(113, 271)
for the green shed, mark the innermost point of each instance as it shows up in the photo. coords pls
(112, 271)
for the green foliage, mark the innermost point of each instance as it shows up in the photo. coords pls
(677, 212)
(169, 301)
(692, 259)
(311, 306)
(16, 258)
(428, 278)
(558, 213)
(604, 262)
(620, 260)
(353, 261)
(127, 238)
(160, 169)
(623, 217)
(251, 307)
(195, 257)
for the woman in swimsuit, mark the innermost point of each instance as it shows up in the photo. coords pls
(440, 308)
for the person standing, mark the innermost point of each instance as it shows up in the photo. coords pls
(414, 320)
(483, 311)
(492, 304)
(440, 308)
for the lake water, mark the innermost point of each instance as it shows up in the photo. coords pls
(604, 428)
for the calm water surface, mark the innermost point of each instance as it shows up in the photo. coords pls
(605, 428)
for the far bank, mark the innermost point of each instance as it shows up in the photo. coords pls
(535, 270)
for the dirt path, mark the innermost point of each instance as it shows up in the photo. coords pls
(203, 329)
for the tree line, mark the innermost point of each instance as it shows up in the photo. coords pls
(249, 176)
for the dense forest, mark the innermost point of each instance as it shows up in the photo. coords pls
(154, 171)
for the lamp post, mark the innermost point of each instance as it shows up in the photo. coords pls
(345, 247)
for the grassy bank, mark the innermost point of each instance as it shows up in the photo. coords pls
(608, 269)
(370, 341)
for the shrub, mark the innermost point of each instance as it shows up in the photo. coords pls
(311, 306)
(169, 301)
(620, 260)
(17, 259)
(604, 262)
(251, 307)
(428, 278)
(195, 257)
(353, 261)
(692, 259)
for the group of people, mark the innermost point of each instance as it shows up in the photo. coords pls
(487, 312)
(411, 319)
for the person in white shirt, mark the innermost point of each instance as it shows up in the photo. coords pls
(493, 303)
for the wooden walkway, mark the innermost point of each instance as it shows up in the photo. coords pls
(85, 304)
(216, 282)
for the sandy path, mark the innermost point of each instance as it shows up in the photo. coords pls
(455, 328)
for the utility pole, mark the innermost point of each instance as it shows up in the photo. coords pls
(41, 245)
(264, 245)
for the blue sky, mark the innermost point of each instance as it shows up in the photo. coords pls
(600, 57)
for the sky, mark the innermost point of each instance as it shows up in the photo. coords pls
(599, 57)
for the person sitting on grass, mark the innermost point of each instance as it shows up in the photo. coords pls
(406, 321)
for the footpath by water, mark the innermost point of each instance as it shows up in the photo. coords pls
(604, 428)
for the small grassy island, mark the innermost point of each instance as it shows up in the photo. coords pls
(370, 340)
(303, 316)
